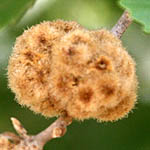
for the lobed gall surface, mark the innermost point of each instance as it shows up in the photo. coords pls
(60, 67)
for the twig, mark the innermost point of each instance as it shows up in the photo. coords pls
(13, 142)
(19, 128)
(122, 25)
(55, 130)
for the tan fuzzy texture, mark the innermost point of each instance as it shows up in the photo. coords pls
(5, 144)
(60, 67)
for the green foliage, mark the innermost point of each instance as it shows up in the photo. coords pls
(140, 11)
(12, 10)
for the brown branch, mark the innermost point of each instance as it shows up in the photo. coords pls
(122, 25)
(30, 142)
(55, 130)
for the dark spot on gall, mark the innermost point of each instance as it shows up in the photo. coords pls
(102, 64)
(85, 95)
(108, 90)
(71, 51)
(42, 39)
(67, 29)
(75, 81)
(29, 55)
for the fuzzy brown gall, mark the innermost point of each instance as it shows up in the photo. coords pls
(60, 67)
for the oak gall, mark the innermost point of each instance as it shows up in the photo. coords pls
(60, 67)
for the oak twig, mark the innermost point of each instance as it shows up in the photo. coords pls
(22, 141)
(55, 130)
(122, 25)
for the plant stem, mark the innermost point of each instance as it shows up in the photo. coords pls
(122, 25)
(56, 129)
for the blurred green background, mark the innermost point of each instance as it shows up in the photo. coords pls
(132, 133)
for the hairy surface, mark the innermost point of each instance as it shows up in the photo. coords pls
(60, 67)
(5, 144)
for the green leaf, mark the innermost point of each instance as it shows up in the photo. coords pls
(12, 10)
(139, 10)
